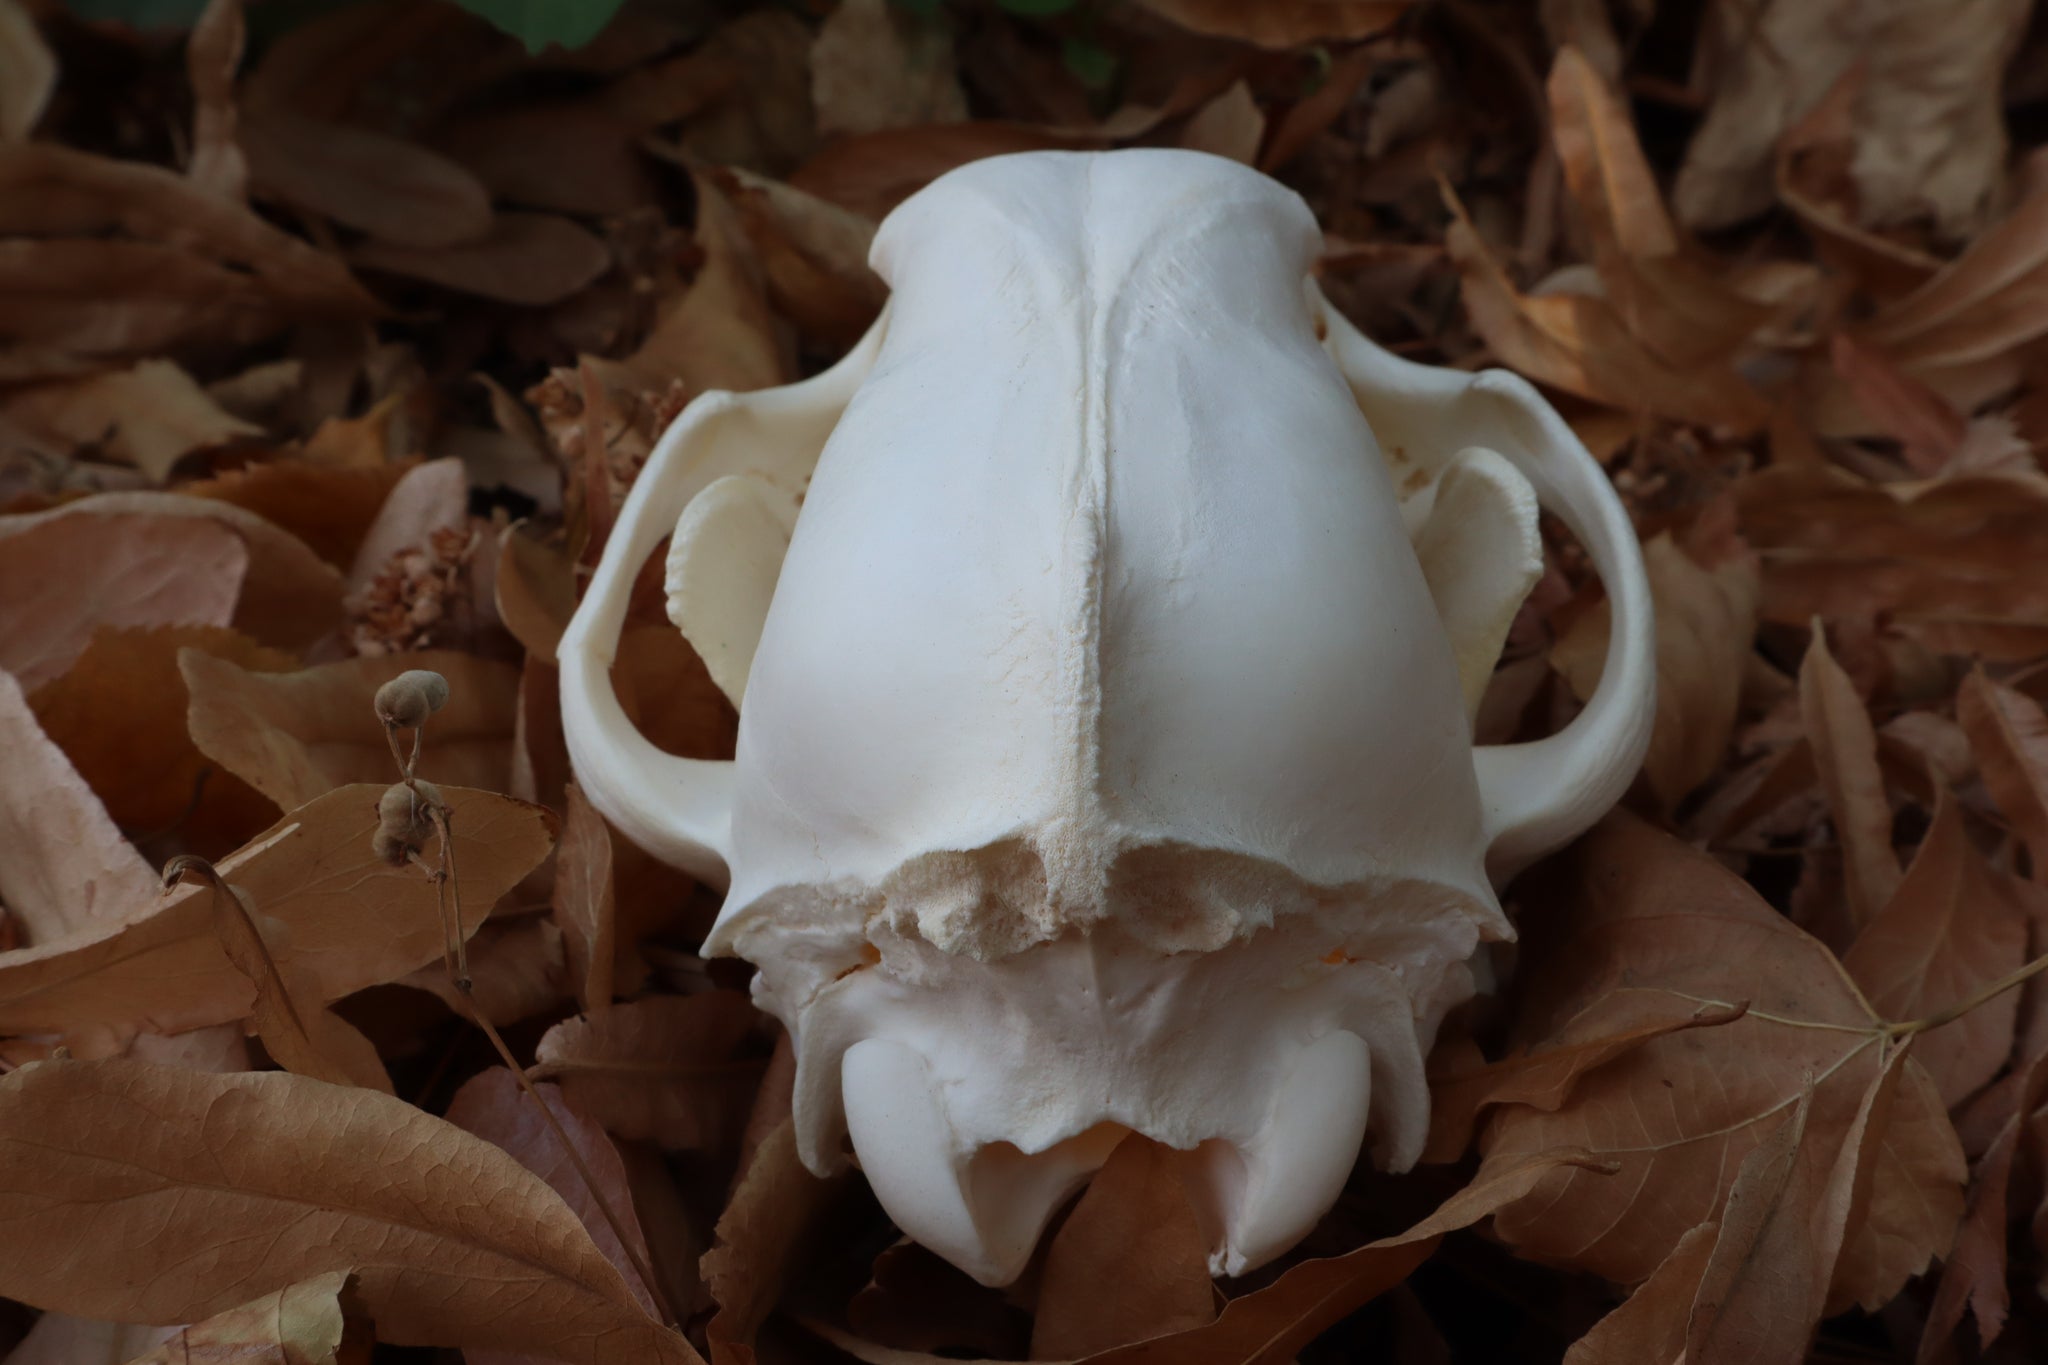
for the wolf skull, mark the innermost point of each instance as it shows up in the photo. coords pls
(1106, 631)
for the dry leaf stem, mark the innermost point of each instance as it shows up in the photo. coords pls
(224, 895)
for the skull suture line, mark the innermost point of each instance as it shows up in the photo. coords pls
(1106, 630)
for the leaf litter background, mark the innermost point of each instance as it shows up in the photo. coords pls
(331, 337)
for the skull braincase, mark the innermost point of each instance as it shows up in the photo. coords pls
(1105, 756)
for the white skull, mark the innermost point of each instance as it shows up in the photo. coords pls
(1106, 630)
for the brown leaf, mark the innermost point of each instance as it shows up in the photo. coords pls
(1705, 622)
(494, 1106)
(1629, 910)
(1668, 293)
(432, 496)
(516, 970)
(1845, 749)
(351, 919)
(150, 416)
(300, 1324)
(1133, 1227)
(532, 259)
(668, 694)
(1543, 1078)
(873, 173)
(1982, 304)
(872, 69)
(1231, 125)
(1650, 1326)
(761, 1236)
(298, 1031)
(212, 55)
(584, 904)
(289, 598)
(574, 156)
(28, 73)
(119, 713)
(664, 1068)
(67, 867)
(1953, 925)
(1283, 23)
(720, 333)
(1928, 429)
(1974, 1280)
(396, 191)
(1579, 344)
(813, 254)
(264, 1179)
(1950, 561)
(2009, 735)
(128, 571)
(297, 735)
(61, 1339)
(536, 592)
(329, 507)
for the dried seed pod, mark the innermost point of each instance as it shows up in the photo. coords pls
(405, 818)
(407, 700)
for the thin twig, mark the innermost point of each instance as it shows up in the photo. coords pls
(1963, 1007)
(440, 816)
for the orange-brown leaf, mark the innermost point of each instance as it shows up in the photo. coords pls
(301, 1324)
(145, 1192)
(666, 1068)
(1845, 749)
(2009, 735)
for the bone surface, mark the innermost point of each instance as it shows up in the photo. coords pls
(1106, 630)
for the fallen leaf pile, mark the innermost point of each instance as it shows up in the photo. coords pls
(335, 1021)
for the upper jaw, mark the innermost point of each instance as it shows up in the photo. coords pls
(979, 1097)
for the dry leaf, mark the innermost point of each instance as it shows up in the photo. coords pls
(1651, 1325)
(720, 334)
(1680, 303)
(60, 1339)
(872, 69)
(28, 73)
(668, 1069)
(813, 254)
(1705, 619)
(351, 920)
(875, 172)
(1952, 925)
(1579, 344)
(329, 507)
(532, 259)
(577, 156)
(67, 868)
(452, 1242)
(494, 1106)
(1974, 1278)
(150, 416)
(1231, 125)
(516, 969)
(1630, 912)
(297, 735)
(431, 497)
(396, 191)
(212, 55)
(1930, 141)
(1980, 305)
(536, 593)
(1928, 429)
(584, 904)
(1133, 1227)
(64, 579)
(289, 598)
(119, 713)
(300, 1324)
(2009, 735)
(1283, 23)
(761, 1236)
(1845, 749)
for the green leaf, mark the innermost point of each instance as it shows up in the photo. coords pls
(1036, 9)
(1090, 63)
(572, 23)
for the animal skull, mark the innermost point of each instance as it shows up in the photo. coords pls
(1107, 630)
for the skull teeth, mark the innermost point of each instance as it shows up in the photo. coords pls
(985, 1209)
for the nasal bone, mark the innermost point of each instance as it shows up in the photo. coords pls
(986, 1207)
